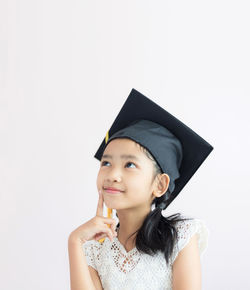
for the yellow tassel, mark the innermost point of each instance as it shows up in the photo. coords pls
(108, 209)
(107, 137)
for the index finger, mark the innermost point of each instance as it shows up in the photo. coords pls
(99, 211)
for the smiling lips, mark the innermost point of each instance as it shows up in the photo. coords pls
(112, 190)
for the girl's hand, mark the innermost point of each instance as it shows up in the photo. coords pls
(97, 227)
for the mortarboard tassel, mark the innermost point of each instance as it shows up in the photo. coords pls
(108, 209)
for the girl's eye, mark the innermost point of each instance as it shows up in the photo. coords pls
(130, 163)
(103, 163)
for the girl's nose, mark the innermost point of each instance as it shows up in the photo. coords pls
(114, 178)
(114, 174)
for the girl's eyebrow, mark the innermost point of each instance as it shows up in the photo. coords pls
(124, 156)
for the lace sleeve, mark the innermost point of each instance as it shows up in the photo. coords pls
(185, 230)
(89, 250)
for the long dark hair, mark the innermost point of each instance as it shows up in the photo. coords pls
(157, 233)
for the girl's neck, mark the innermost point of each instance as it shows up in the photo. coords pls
(128, 243)
(129, 239)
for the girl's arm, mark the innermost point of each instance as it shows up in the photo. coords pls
(80, 276)
(187, 267)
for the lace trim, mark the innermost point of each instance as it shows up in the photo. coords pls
(186, 230)
(125, 261)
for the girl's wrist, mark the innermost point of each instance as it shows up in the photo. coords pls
(75, 240)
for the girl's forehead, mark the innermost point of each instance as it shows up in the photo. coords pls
(123, 146)
(122, 143)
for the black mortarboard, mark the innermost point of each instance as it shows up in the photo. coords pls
(177, 149)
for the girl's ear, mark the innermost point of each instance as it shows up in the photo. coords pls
(162, 184)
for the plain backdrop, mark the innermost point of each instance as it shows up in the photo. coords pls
(66, 69)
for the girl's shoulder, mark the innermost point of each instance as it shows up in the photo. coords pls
(186, 229)
(92, 250)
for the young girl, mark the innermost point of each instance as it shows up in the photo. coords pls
(147, 157)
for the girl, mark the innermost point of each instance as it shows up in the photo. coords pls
(148, 158)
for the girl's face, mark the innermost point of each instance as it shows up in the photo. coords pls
(124, 166)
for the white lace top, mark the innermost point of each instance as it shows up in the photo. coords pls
(122, 270)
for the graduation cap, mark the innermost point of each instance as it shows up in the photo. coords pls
(176, 148)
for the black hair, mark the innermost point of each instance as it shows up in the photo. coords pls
(157, 233)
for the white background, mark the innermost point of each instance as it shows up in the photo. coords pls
(66, 68)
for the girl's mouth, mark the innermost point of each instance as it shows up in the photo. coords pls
(112, 191)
